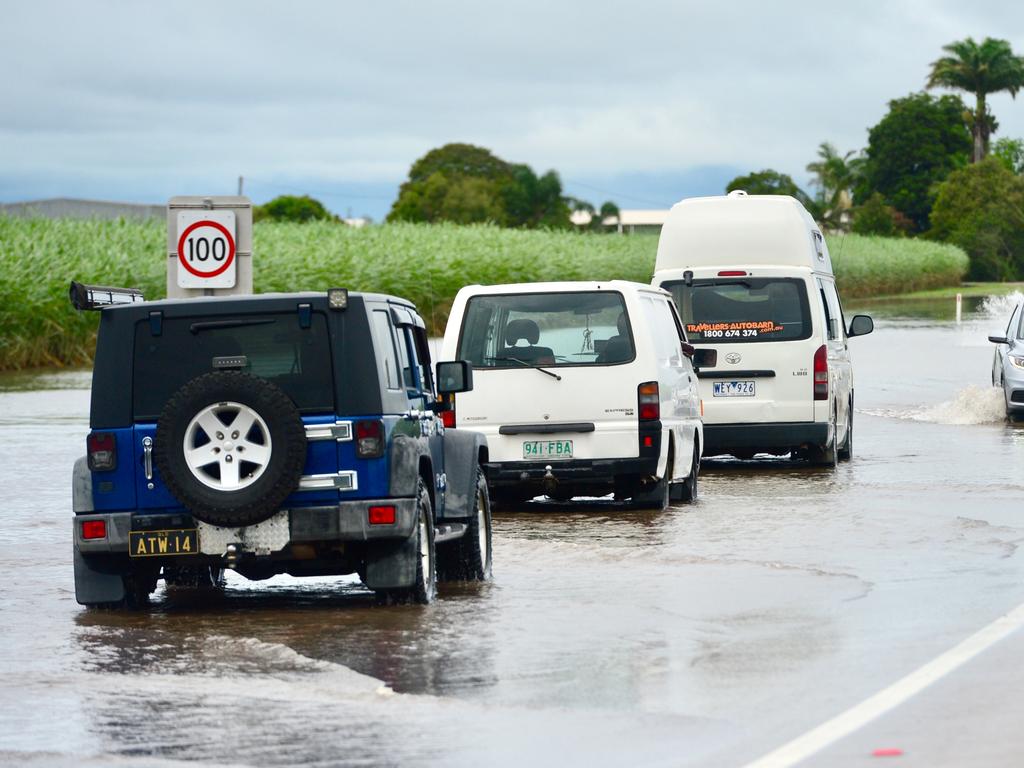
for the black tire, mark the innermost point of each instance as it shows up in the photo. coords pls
(686, 491)
(846, 450)
(204, 577)
(424, 588)
(137, 589)
(260, 498)
(469, 558)
(827, 455)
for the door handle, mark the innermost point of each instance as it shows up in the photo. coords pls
(147, 457)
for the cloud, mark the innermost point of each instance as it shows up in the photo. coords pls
(129, 94)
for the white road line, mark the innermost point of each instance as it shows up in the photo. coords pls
(856, 717)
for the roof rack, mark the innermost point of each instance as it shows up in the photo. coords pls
(88, 297)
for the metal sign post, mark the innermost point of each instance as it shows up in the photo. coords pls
(209, 246)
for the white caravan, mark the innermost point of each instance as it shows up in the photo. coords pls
(582, 389)
(752, 278)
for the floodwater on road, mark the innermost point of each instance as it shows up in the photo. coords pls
(707, 634)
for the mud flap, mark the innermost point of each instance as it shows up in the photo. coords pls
(94, 587)
(392, 566)
(461, 464)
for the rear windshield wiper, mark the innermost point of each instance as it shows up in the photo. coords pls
(552, 374)
(210, 325)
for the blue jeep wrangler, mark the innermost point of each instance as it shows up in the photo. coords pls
(278, 433)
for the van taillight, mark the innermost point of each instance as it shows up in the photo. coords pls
(369, 439)
(821, 373)
(732, 273)
(648, 401)
(101, 448)
(448, 416)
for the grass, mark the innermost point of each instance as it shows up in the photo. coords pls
(427, 264)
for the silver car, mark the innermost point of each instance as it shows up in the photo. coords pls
(1008, 364)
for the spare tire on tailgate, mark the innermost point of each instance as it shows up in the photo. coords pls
(230, 447)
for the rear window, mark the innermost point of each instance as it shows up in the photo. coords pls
(546, 329)
(296, 359)
(745, 309)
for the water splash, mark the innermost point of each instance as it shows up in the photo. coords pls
(971, 405)
(997, 309)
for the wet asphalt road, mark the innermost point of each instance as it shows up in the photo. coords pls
(708, 634)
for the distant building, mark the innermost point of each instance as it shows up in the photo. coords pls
(628, 221)
(74, 208)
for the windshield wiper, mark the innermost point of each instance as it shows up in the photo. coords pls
(552, 374)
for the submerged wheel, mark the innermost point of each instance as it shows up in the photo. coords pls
(424, 587)
(469, 558)
(230, 447)
(686, 491)
(846, 451)
(827, 455)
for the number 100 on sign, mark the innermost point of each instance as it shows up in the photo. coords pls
(206, 249)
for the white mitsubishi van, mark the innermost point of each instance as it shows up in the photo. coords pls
(752, 278)
(582, 389)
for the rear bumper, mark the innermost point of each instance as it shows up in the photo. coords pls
(777, 438)
(346, 521)
(531, 474)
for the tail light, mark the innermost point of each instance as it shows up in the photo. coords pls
(448, 416)
(821, 373)
(648, 401)
(384, 515)
(369, 439)
(101, 448)
(94, 529)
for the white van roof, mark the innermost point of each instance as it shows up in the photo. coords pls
(741, 230)
(563, 286)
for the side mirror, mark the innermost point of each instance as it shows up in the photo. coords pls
(688, 349)
(704, 358)
(861, 325)
(454, 376)
(999, 339)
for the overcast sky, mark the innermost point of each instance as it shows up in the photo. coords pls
(642, 102)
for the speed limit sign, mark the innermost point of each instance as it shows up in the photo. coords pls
(206, 249)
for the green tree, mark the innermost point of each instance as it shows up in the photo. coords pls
(466, 184)
(1010, 153)
(876, 218)
(980, 69)
(912, 148)
(608, 210)
(771, 182)
(981, 209)
(292, 208)
(835, 176)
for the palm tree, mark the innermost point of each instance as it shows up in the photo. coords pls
(981, 69)
(835, 175)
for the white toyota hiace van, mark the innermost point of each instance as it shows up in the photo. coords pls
(582, 389)
(752, 278)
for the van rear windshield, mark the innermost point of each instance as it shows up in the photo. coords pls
(275, 346)
(546, 329)
(744, 309)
